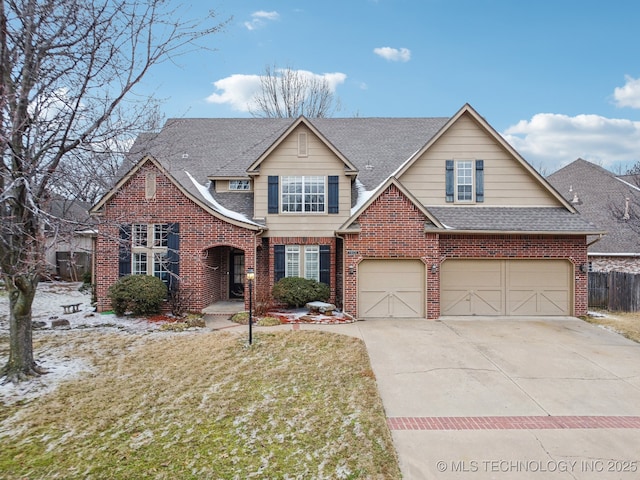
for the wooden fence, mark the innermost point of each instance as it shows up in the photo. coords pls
(615, 291)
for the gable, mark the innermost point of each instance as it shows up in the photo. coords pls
(508, 179)
(302, 152)
(133, 189)
(390, 199)
(288, 144)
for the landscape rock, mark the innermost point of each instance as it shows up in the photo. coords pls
(60, 323)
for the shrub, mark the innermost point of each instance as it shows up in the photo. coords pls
(140, 294)
(269, 322)
(296, 291)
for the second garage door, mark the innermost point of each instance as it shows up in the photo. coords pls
(391, 288)
(506, 287)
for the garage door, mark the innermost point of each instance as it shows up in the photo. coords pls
(506, 287)
(391, 288)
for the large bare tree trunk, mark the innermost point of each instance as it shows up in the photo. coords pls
(21, 363)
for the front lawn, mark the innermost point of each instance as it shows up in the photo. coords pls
(201, 405)
(624, 323)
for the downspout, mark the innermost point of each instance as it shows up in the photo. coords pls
(344, 265)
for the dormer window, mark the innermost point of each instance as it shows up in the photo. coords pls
(239, 185)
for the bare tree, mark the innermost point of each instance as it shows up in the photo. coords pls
(68, 68)
(289, 93)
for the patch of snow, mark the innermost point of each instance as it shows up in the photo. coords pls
(47, 307)
(363, 196)
(204, 191)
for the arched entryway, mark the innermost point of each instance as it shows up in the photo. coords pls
(223, 274)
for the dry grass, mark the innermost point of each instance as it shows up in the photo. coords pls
(204, 405)
(625, 323)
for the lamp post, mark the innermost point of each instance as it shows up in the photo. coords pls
(250, 277)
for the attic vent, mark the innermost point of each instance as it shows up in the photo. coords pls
(185, 155)
(303, 148)
(576, 199)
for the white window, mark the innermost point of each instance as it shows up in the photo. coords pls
(292, 261)
(464, 181)
(239, 185)
(146, 258)
(139, 263)
(139, 233)
(160, 235)
(307, 265)
(303, 194)
(312, 262)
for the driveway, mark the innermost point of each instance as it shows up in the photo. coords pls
(531, 398)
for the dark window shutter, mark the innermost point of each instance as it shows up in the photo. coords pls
(173, 254)
(325, 264)
(333, 193)
(278, 262)
(124, 251)
(272, 194)
(449, 181)
(479, 180)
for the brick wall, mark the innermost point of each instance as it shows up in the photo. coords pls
(391, 227)
(572, 248)
(331, 241)
(200, 234)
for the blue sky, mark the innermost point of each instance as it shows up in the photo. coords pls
(560, 79)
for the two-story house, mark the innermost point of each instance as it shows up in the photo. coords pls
(401, 217)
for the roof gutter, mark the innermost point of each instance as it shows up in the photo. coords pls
(453, 231)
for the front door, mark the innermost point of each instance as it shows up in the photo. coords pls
(236, 275)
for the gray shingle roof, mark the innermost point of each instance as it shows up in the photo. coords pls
(228, 146)
(512, 219)
(601, 199)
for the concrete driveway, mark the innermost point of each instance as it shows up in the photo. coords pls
(490, 398)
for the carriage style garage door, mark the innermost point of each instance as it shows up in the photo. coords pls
(506, 287)
(391, 288)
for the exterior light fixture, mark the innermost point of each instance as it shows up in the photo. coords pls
(434, 268)
(250, 278)
(352, 269)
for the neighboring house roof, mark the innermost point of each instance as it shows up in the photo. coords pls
(601, 197)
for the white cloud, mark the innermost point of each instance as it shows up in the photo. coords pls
(393, 54)
(629, 95)
(549, 141)
(238, 90)
(259, 19)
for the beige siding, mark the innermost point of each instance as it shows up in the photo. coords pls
(284, 160)
(506, 181)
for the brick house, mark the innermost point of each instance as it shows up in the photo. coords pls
(401, 217)
(612, 203)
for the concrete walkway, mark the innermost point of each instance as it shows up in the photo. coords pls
(482, 398)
